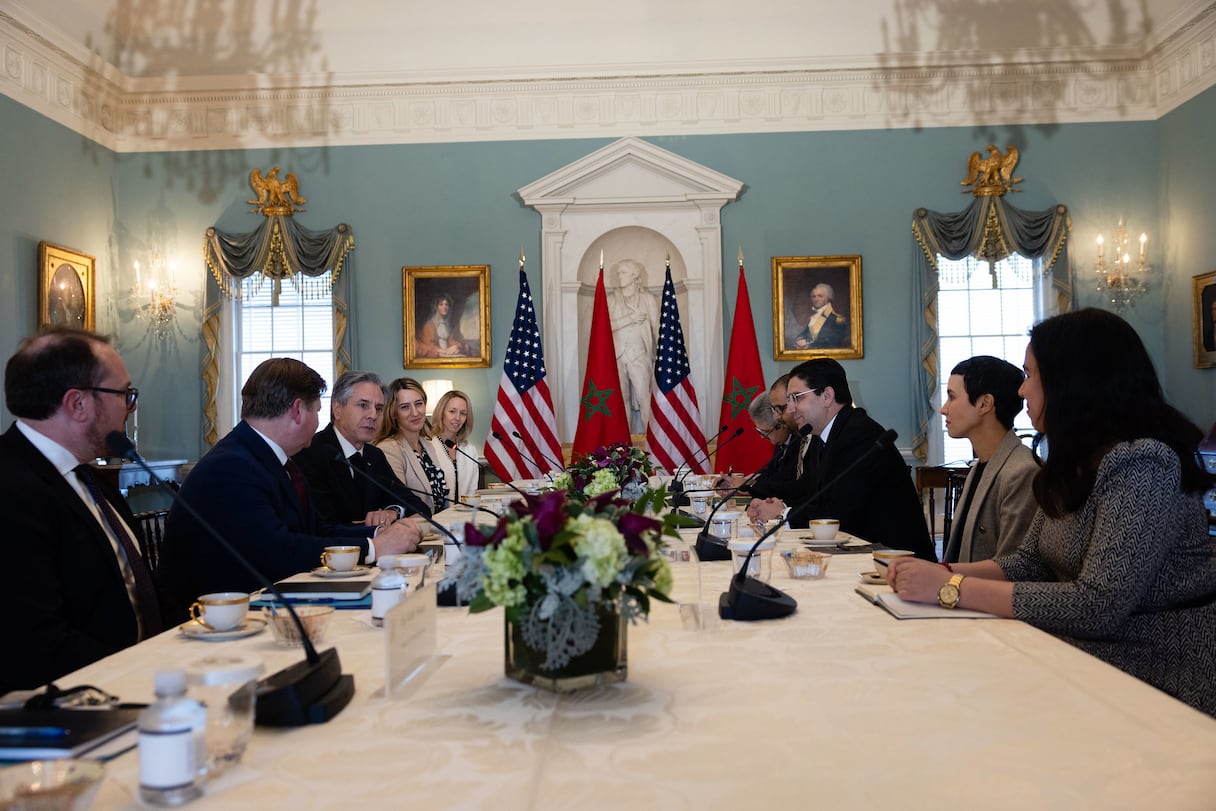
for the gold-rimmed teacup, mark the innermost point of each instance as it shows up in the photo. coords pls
(220, 610)
(340, 558)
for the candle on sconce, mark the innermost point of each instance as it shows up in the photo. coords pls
(1099, 246)
(1143, 239)
(137, 271)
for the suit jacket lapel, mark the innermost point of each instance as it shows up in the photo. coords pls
(262, 453)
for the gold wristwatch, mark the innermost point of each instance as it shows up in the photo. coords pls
(948, 595)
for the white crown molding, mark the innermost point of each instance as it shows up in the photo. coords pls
(113, 112)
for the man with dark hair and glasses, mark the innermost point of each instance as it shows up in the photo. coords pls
(82, 590)
(875, 500)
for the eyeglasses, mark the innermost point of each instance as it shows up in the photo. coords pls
(763, 432)
(792, 399)
(778, 409)
(130, 393)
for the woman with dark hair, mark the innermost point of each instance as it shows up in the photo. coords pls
(1118, 560)
(401, 437)
(439, 336)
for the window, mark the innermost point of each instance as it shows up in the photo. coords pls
(976, 318)
(300, 327)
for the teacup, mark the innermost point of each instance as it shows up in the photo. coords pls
(472, 502)
(884, 557)
(340, 558)
(824, 529)
(220, 610)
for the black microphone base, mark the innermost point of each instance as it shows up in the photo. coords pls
(709, 548)
(304, 693)
(749, 599)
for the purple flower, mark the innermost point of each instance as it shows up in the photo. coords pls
(475, 537)
(633, 526)
(549, 514)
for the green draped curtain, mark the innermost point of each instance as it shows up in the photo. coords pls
(280, 249)
(989, 229)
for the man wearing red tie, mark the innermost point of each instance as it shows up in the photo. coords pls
(79, 589)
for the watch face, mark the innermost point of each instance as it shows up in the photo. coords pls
(948, 595)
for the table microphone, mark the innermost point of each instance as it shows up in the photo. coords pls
(709, 547)
(544, 455)
(676, 487)
(749, 599)
(527, 456)
(308, 692)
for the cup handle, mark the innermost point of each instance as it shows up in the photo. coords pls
(325, 560)
(196, 614)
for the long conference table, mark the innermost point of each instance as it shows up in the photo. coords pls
(838, 706)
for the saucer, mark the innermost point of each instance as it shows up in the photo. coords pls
(196, 630)
(873, 579)
(333, 574)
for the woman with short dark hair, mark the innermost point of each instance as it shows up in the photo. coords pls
(1118, 560)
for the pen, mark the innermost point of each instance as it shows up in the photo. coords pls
(33, 732)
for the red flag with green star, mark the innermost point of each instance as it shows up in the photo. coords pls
(744, 381)
(601, 411)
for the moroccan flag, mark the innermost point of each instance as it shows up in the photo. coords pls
(523, 431)
(601, 411)
(673, 435)
(749, 451)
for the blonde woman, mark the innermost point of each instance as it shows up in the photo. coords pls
(403, 436)
(452, 421)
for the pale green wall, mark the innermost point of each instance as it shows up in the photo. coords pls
(806, 193)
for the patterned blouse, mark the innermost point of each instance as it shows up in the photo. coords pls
(439, 485)
(1130, 577)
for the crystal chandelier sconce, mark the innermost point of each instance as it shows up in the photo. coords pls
(1121, 278)
(156, 298)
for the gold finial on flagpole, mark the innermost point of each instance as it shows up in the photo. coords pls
(669, 261)
(601, 258)
(740, 256)
(521, 258)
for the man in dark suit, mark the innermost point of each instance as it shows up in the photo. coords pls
(253, 494)
(875, 500)
(825, 328)
(78, 588)
(340, 495)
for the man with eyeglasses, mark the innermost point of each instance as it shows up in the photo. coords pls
(80, 589)
(876, 500)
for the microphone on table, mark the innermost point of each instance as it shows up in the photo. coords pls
(527, 456)
(544, 456)
(676, 486)
(708, 546)
(444, 597)
(678, 500)
(748, 599)
(308, 692)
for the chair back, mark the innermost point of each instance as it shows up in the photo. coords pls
(150, 532)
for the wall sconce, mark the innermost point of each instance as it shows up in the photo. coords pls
(156, 300)
(1121, 280)
(434, 390)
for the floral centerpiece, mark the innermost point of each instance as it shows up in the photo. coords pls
(610, 467)
(570, 574)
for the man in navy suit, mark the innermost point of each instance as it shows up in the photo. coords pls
(875, 500)
(78, 589)
(340, 495)
(256, 497)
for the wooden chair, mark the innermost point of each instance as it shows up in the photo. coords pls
(150, 533)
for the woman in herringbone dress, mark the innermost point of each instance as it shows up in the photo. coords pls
(1118, 560)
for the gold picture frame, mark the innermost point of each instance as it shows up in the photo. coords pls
(66, 287)
(466, 289)
(837, 335)
(1203, 292)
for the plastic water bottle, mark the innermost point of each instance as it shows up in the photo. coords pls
(388, 588)
(172, 744)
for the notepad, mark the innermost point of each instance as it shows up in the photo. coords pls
(60, 733)
(306, 586)
(904, 610)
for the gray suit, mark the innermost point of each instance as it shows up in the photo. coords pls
(1000, 512)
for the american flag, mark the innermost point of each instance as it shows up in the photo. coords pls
(673, 435)
(523, 404)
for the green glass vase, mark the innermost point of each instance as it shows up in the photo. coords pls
(604, 663)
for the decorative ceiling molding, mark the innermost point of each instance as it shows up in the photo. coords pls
(113, 113)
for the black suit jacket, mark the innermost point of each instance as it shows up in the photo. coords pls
(68, 602)
(876, 500)
(240, 488)
(341, 497)
(778, 478)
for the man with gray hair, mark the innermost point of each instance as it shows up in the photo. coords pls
(340, 495)
(825, 328)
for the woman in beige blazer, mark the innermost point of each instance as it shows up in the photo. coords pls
(402, 438)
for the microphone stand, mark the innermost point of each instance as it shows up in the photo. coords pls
(527, 456)
(680, 498)
(308, 692)
(676, 487)
(709, 547)
(748, 599)
(543, 455)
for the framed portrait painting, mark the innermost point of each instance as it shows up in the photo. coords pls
(446, 316)
(1203, 291)
(66, 287)
(817, 307)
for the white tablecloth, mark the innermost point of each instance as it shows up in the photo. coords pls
(838, 706)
